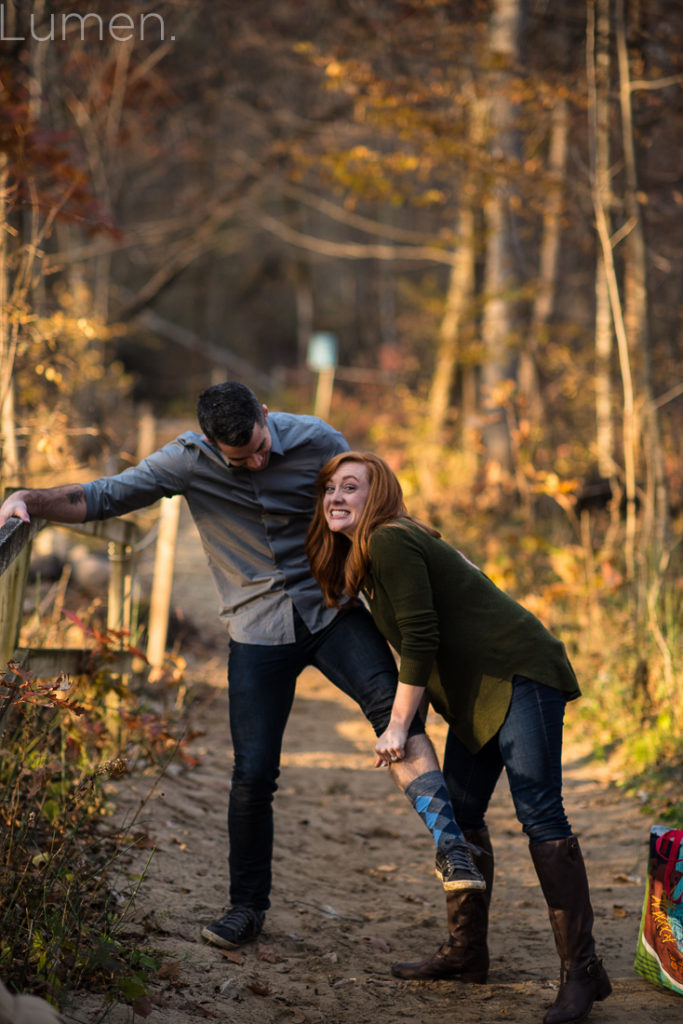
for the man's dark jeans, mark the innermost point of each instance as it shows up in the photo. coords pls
(261, 681)
(529, 746)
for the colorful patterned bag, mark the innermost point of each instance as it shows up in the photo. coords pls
(659, 954)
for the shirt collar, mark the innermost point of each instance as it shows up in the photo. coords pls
(275, 440)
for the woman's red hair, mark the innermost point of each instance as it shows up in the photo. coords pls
(338, 563)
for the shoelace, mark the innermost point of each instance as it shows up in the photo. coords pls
(458, 858)
(238, 917)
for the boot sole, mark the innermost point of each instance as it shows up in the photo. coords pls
(468, 978)
(218, 940)
(602, 992)
(462, 884)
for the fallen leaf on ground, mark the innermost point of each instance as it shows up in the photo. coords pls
(143, 841)
(142, 1006)
(170, 971)
(203, 1011)
(259, 988)
(234, 958)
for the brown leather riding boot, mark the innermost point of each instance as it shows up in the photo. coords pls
(464, 955)
(583, 980)
(482, 855)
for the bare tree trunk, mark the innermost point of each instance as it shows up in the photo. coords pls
(501, 279)
(655, 516)
(458, 303)
(495, 331)
(461, 282)
(303, 296)
(100, 135)
(9, 455)
(598, 73)
(629, 421)
(544, 298)
(470, 406)
(39, 56)
(458, 299)
(8, 440)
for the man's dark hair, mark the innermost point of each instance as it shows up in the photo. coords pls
(227, 413)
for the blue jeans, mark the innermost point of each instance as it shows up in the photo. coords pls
(529, 746)
(261, 682)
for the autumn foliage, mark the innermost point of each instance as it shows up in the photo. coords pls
(479, 199)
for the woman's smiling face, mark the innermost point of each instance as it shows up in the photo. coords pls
(346, 493)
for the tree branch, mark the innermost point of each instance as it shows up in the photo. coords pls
(354, 250)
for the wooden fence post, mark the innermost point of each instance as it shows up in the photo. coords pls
(119, 614)
(147, 432)
(162, 584)
(120, 582)
(13, 574)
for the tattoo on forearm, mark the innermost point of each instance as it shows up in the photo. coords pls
(74, 497)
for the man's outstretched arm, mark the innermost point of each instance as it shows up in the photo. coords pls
(65, 504)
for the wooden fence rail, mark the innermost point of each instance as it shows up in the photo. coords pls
(123, 537)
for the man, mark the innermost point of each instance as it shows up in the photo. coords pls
(249, 481)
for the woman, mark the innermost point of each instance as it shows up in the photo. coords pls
(500, 680)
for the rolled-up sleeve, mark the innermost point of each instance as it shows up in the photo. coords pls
(162, 474)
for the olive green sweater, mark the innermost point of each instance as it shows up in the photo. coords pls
(456, 632)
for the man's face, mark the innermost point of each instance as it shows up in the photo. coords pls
(253, 456)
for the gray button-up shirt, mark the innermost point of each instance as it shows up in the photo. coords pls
(252, 524)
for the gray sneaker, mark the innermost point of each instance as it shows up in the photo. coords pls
(455, 868)
(237, 926)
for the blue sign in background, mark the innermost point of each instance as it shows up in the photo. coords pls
(322, 351)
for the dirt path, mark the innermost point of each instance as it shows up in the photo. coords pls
(353, 883)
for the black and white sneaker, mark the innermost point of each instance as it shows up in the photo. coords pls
(237, 926)
(455, 868)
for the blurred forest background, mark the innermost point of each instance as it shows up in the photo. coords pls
(480, 199)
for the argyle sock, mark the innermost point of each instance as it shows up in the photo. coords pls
(429, 796)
